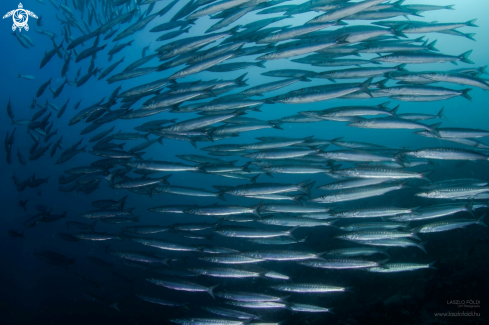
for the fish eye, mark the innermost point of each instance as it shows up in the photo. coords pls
(332, 72)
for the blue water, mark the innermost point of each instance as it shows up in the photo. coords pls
(36, 292)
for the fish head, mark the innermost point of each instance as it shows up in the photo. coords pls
(331, 186)
(414, 153)
(340, 172)
(379, 58)
(309, 113)
(433, 76)
(425, 133)
(399, 217)
(367, 164)
(358, 124)
(426, 194)
(284, 100)
(343, 213)
(345, 236)
(251, 155)
(267, 56)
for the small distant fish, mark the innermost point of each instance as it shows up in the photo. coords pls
(13, 233)
(26, 76)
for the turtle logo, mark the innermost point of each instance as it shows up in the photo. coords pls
(20, 17)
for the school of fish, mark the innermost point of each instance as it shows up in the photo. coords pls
(261, 210)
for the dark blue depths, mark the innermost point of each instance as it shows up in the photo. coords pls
(81, 289)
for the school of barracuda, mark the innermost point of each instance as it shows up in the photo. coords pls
(217, 109)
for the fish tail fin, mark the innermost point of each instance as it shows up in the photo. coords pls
(110, 178)
(340, 23)
(92, 226)
(303, 187)
(239, 81)
(277, 126)
(424, 175)
(471, 23)
(403, 184)
(256, 209)
(394, 110)
(480, 221)
(220, 196)
(381, 83)
(432, 47)
(430, 265)
(210, 291)
(465, 93)
(434, 129)
(470, 36)
(253, 179)
(291, 230)
(139, 155)
(305, 240)
(245, 166)
(440, 114)
(121, 202)
(398, 159)
(234, 30)
(421, 246)
(464, 57)
(297, 198)
(469, 206)
(449, 7)
(342, 39)
(115, 305)
(164, 179)
(401, 67)
(261, 64)
(482, 69)
(398, 31)
(415, 232)
(364, 86)
(201, 168)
